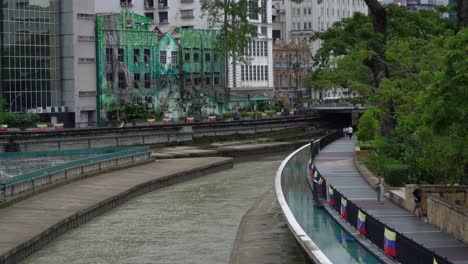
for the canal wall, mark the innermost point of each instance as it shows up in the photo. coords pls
(32, 223)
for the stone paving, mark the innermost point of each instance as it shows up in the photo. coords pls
(335, 162)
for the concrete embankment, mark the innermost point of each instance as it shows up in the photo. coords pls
(30, 224)
(264, 237)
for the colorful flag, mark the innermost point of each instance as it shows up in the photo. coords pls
(361, 223)
(331, 199)
(316, 174)
(320, 186)
(390, 242)
(343, 211)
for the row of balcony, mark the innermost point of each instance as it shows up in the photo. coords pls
(150, 4)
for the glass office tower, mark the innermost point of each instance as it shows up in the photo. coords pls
(30, 54)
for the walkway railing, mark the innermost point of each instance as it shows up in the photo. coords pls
(409, 251)
(68, 171)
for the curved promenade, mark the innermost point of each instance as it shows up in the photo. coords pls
(30, 224)
(416, 241)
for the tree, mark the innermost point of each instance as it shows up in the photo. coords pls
(231, 18)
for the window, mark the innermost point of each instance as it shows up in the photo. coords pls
(254, 44)
(310, 11)
(266, 72)
(136, 55)
(216, 80)
(147, 55)
(136, 80)
(120, 55)
(264, 31)
(242, 73)
(305, 25)
(150, 15)
(207, 57)
(163, 57)
(253, 5)
(186, 13)
(215, 57)
(254, 72)
(250, 72)
(258, 73)
(85, 16)
(305, 11)
(122, 83)
(110, 77)
(149, 4)
(187, 57)
(125, 3)
(147, 80)
(196, 57)
(207, 80)
(174, 57)
(109, 56)
(163, 18)
(258, 48)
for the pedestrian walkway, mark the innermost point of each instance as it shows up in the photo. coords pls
(335, 163)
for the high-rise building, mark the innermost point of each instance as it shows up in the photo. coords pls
(48, 59)
(310, 16)
(30, 55)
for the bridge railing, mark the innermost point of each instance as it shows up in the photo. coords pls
(31, 181)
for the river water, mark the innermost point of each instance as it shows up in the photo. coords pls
(192, 222)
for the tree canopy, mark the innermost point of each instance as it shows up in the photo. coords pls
(424, 91)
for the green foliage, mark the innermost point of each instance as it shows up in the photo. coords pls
(395, 173)
(367, 145)
(3, 113)
(425, 93)
(227, 115)
(247, 114)
(132, 113)
(22, 120)
(236, 30)
(368, 125)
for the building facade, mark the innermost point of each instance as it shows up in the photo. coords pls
(168, 15)
(78, 63)
(165, 14)
(291, 65)
(30, 55)
(48, 59)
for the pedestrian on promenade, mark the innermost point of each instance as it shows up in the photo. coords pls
(417, 195)
(350, 132)
(380, 189)
(345, 131)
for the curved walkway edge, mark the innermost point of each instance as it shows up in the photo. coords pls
(336, 164)
(263, 236)
(28, 225)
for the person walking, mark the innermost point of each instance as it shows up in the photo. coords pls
(417, 196)
(350, 132)
(380, 189)
(345, 131)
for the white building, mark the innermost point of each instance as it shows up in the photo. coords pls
(166, 14)
(310, 16)
(78, 59)
(169, 14)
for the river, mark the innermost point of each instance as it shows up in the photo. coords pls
(191, 222)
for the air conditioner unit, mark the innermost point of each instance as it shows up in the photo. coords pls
(63, 109)
(40, 110)
(162, 5)
(49, 109)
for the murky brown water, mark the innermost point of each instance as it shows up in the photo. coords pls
(192, 222)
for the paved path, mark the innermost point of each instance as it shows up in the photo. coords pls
(31, 218)
(264, 237)
(335, 162)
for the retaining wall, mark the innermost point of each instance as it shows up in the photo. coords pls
(34, 244)
(448, 216)
(69, 174)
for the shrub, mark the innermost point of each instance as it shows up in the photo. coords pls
(395, 173)
(227, 115)
(22, 120)
(368, 145)
(368, 126)
(247, 114)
